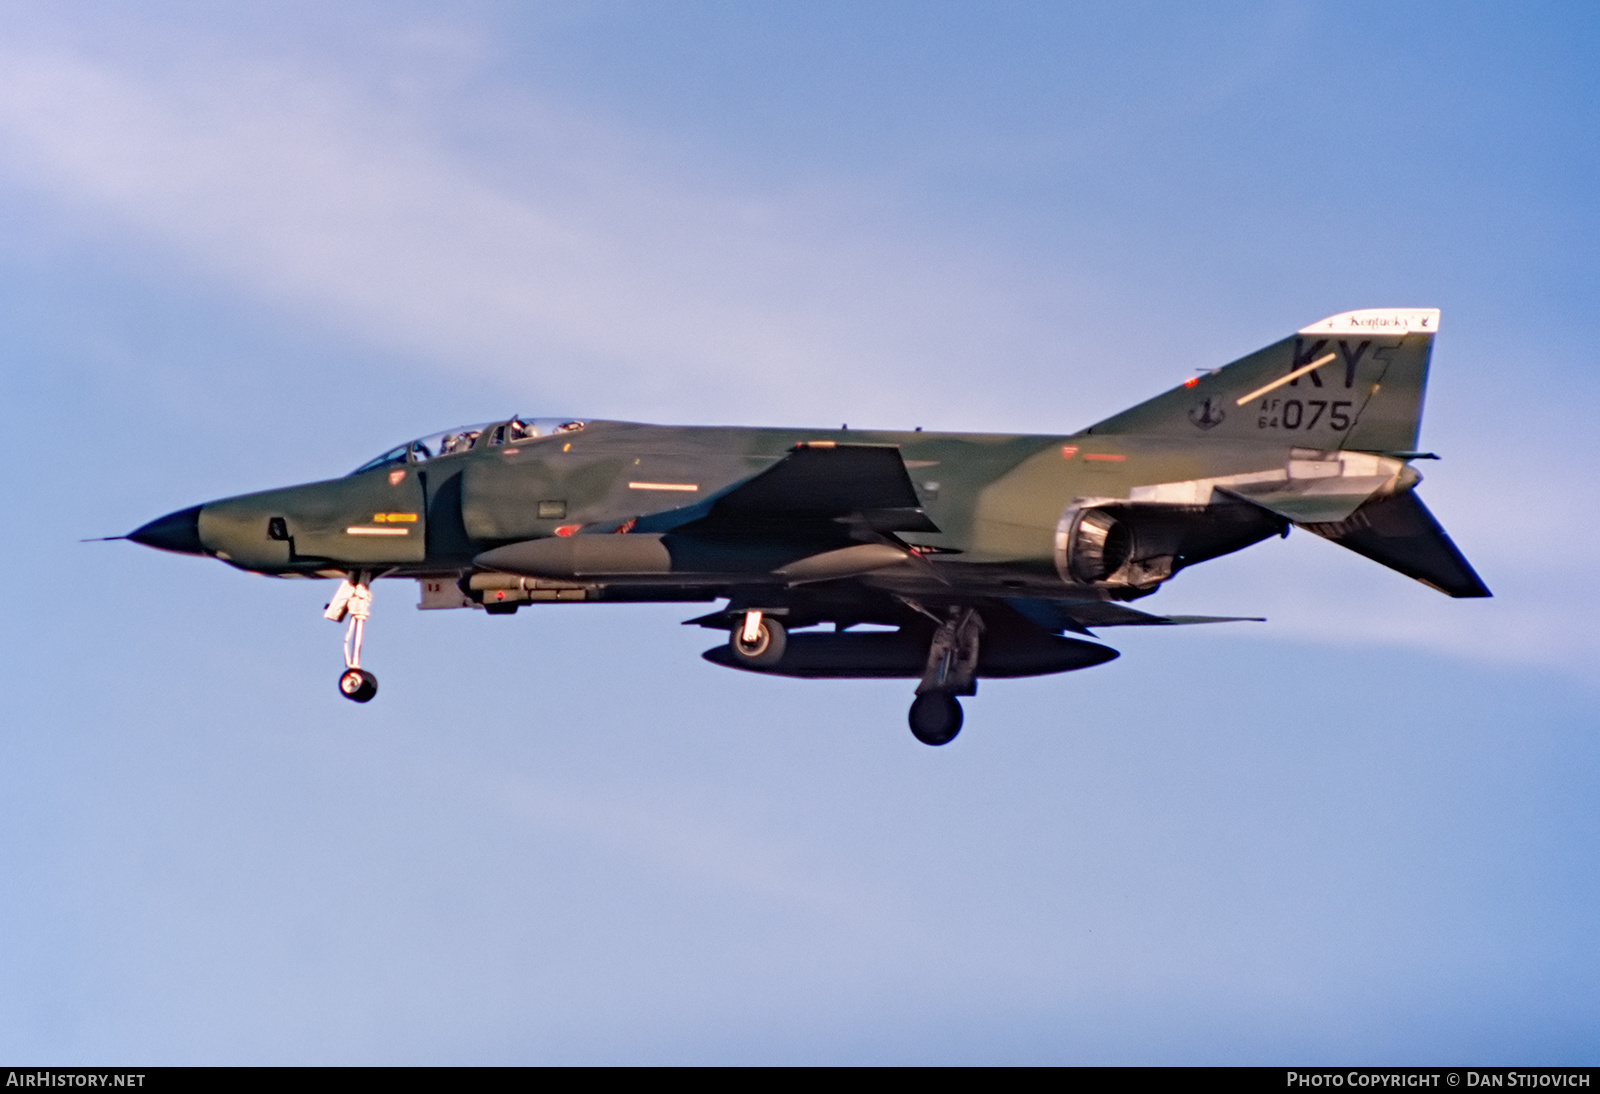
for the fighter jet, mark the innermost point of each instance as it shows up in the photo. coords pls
(943, 558)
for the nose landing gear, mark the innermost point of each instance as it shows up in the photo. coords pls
(354, 600)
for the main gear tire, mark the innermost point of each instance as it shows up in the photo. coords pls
(767, 649)
(358, 685)
(935, 718)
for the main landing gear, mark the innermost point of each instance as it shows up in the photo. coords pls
(952, 670)
(758, 641)
(354, 600)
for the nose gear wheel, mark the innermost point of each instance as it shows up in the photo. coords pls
(358, 685)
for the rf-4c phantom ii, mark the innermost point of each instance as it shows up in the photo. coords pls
(982, 552)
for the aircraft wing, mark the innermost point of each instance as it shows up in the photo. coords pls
(821, 486)
(1079, 616)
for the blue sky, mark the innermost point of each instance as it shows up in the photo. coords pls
(257, 246)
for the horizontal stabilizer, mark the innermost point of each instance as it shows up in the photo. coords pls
(1399, 532)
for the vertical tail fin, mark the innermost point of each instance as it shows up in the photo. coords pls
(1351, 381)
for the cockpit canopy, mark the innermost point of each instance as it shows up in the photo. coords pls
(450, 442)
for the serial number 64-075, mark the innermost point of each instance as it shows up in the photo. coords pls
(1298, 414)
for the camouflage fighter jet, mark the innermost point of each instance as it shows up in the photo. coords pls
(938, 557)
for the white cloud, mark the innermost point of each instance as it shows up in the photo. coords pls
(572, 253)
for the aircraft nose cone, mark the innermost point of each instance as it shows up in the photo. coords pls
(178, 531)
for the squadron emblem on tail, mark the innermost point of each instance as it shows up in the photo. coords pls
(1207, 413)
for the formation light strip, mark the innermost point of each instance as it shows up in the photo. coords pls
(1280, 381)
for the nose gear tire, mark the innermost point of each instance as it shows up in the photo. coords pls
(358, 685)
